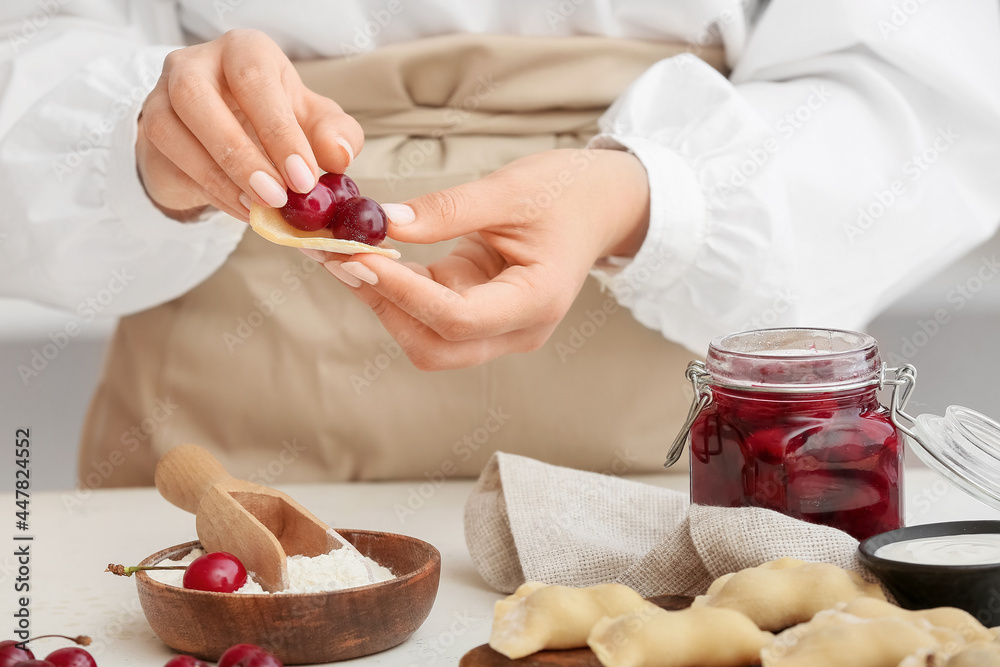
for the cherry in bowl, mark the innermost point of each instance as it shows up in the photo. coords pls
(219, 572)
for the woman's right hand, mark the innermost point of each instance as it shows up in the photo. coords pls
(230, 121)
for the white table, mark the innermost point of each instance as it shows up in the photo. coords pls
(75, 537)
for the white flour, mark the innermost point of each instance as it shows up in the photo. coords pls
(334, 571)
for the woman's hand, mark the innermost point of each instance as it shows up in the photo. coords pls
(230, 121)
(532, 229)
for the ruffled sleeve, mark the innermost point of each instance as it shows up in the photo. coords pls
(78, 230)
(843, 162)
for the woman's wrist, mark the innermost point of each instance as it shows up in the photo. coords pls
(631, 197)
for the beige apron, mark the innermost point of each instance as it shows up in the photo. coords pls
(274, 367)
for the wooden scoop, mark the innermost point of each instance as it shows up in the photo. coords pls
(257, 524)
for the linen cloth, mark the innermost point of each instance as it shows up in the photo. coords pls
(530, 521)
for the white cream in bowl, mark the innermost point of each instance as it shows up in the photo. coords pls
(975, 549)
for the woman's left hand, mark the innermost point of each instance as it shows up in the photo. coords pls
(532, 231)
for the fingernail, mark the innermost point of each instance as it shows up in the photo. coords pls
(268, 189)
(360, 271)
(299, 173)
(312, 253)
(245, 200)
(341, 275)
(347, 147)
(400, 214)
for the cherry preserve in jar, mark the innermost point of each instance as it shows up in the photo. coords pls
(790, 420)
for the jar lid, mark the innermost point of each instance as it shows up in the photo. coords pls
(794, 360)
(964, 446)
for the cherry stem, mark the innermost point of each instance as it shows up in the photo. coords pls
(82, 640)
(123, 571)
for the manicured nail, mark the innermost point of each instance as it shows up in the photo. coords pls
(268, 189)
(312, 253)
(347, 147)
(299, 173)
(341, 275)
(400, 214)
(360, 271)
(245, 200)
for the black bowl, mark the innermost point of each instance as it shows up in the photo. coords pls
(974, 588)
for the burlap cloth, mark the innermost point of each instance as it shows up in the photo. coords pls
(530, 521)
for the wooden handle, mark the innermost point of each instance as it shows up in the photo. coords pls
(185, 473)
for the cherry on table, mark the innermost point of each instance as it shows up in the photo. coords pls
(35, 662)
(71, 656)
(234, 654)
(11, 653)
(360, 219)
(219, 572)
(248, 655)
(342, 187)
(311, 211)
(185, 661)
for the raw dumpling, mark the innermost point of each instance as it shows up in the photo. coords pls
(538, 616)
(835, 639)
(976, 655)
(653, 637)
(783, 593)
(951, 618)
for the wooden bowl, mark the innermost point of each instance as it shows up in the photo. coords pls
(303, 627)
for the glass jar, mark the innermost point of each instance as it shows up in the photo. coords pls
(790, 420)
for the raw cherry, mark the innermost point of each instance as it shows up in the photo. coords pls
(71, 656)
(342, 187)
(312, 211)
(11, 653)
(360, 219)
(248, 655)
(220, 572)
(34, 662)
(234, 654)
(185, 661)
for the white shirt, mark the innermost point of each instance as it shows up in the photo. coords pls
(852, 152)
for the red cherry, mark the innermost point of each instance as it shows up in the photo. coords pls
(360, 219)
(312, 211)
(342, 187)
(236, 653)
(71, 656)
(248, 655)
(11, 653)
(264, 659)
(185, 661)
(219, 572)
(768, 444)
(34, 662)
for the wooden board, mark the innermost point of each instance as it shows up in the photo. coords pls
(484, 656)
